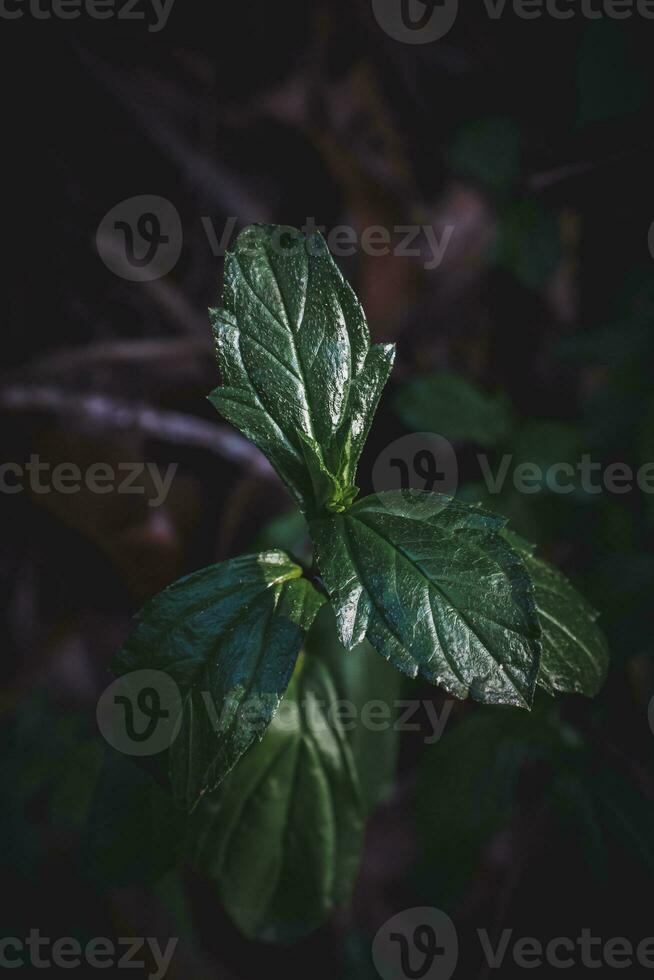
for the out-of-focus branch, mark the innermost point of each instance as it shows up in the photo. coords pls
(70, 359)
(222, 188)
(548, 178)
(104, 411)
(164, 293)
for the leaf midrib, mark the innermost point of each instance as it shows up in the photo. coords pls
(506, 669)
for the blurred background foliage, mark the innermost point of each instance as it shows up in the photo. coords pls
(533, 337)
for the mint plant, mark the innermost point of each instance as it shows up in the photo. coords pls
(437, 587)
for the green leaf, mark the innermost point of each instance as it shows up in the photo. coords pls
(436, 589)
(229, 636)
(575, 655)
(362, 679)
(300, 378)
(282, 838)
(449, 404)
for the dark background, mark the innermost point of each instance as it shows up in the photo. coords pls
(534, 140)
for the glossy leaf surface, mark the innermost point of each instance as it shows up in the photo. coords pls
(437, 591)
(299, 376)
(282, 838)
(229, 636)
(575, 654)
